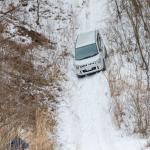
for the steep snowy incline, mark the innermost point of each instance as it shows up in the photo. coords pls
(84, 117)
(92, 16)
(90, 105)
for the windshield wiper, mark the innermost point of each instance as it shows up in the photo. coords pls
(90, 56)
(87, 57)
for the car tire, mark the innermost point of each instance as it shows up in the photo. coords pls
(106, 54)
(104, 65)
(80, 76)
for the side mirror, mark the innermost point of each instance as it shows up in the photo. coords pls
(72, 53)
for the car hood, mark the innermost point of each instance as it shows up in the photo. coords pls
(87, 60)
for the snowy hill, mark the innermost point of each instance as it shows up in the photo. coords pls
(45, 105)
(85, 120)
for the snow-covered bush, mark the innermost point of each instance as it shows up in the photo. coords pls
(129, 71)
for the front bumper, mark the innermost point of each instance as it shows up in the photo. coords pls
(91, 69)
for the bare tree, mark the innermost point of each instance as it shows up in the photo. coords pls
(129, 39)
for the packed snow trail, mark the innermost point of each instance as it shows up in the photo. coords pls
(90, 107)
(85, 120)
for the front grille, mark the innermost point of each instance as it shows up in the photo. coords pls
(92, 63)
(83, 66)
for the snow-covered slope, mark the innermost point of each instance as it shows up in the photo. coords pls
(91, 15)
(84, 117)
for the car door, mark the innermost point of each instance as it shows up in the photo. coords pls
(102, 48)
(100, 45)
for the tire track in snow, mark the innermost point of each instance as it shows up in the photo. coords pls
(91, 107)
(86, 123)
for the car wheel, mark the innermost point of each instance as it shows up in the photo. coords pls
(104, 66)
(106, 54)
(80, 76)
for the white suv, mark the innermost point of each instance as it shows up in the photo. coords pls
(90, 53)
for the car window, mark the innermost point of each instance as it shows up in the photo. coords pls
(86, 51)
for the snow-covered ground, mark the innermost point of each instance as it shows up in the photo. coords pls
(84, 117)
(92, 16)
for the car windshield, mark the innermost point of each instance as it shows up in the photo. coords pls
(86, 51)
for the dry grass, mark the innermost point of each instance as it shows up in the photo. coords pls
(37, 38)
(2, 27)
(130, 103)
(39, 139)
(23, 94)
